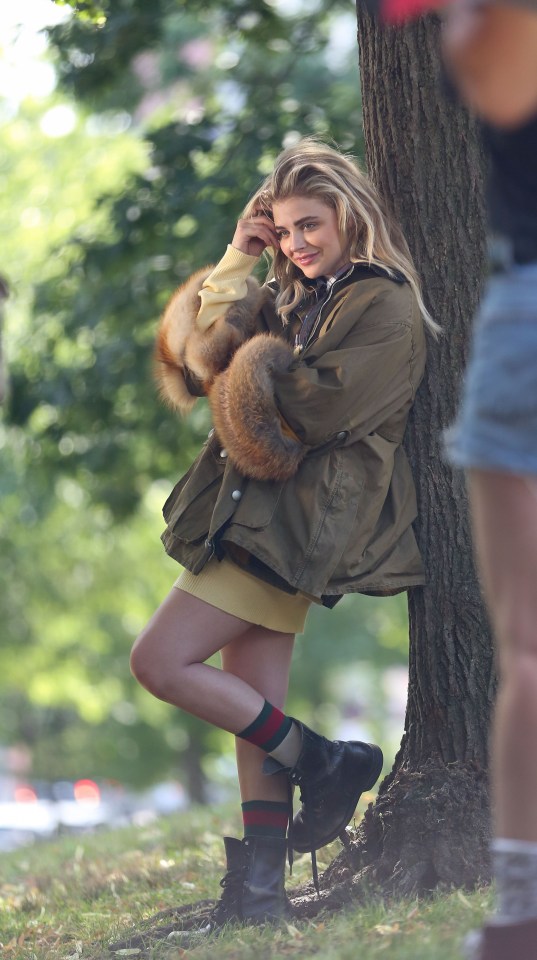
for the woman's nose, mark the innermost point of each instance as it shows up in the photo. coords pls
(297, 241)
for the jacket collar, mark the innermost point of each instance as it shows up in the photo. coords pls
(324, 287)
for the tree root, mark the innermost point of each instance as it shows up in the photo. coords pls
(429, 830)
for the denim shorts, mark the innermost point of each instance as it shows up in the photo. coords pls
(496, 428)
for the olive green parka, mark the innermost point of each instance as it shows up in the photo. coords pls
(303, 480)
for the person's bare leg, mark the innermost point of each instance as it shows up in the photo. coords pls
(169, 657)
(261, 658)
(504, 511)
(169, 660)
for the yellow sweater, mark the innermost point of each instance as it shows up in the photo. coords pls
(225, 284)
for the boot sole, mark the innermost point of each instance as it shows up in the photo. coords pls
(376, 767)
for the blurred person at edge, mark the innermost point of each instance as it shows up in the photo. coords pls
(302, 492)
(490, 53)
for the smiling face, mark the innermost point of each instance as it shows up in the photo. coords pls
(308, 232)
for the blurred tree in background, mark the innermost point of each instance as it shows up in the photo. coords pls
(214, 93)
(178, 109)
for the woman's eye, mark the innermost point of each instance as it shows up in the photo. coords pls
(281, 234)
(310, 226)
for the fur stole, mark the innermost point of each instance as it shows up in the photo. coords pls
(184, 354)
(246, 418)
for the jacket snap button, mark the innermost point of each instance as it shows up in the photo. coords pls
(342, 435)
(236, 495)
(223, 454)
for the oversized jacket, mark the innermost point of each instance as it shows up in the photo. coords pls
(303, 479)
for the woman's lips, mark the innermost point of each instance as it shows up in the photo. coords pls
(304, 261)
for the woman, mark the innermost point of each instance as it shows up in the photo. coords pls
(302, 492)
(490, 50)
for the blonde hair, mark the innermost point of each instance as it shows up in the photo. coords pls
(313, 169)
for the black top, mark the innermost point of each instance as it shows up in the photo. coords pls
(512, 191)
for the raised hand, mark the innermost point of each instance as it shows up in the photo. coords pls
(253, 234)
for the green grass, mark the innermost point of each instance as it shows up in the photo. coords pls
(69, 898)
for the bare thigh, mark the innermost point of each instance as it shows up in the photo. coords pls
(505, 521)
(504, 509)
(184, 630)
(169, 657)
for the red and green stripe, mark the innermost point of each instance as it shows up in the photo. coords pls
(269, 728)
(265, 818)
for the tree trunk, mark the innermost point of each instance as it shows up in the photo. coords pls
(4, 294)
(196, 782)
(430, 825)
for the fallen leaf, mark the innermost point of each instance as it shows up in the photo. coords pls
(386, 929)
(463, 899)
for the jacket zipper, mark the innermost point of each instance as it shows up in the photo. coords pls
(317, 323)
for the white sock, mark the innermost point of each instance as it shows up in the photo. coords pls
(515, 870)
(471, 945)
(288, 751)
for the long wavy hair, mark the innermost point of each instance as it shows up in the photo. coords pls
(310, 168)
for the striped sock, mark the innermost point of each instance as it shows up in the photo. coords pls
(265, 818)
(268, 729)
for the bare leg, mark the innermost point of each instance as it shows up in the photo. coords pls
(505, 528)
(262, 658)
(169, 657)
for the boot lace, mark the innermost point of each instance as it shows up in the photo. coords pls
(228, 907)
(307, 798)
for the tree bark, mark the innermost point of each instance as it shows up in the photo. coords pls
(430, 825)
(4, 294)
(192, 769)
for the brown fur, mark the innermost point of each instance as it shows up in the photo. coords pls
(245, 414)
(181, 344)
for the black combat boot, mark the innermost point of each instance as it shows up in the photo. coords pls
(253, 886)
(331, 774)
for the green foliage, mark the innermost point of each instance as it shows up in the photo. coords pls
(231, 84)
(79, 593)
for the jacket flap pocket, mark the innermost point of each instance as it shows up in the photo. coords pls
(256, 508)
(189, 507)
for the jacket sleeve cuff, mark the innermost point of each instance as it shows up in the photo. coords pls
(188, 359)
(225, 284)
(246, 417)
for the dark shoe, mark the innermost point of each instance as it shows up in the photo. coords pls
(509, 941)
(253, 886)
(331, 774)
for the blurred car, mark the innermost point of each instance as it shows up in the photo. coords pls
(24, 815)
(41, 809)
(86, 805)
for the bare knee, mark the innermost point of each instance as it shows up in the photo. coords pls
(159, 655)
(515, 626)
(141, 662)
(147, 666)
(517, 637)
(518, 668)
